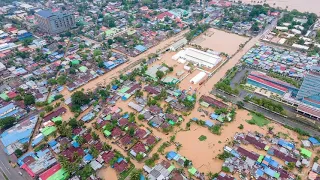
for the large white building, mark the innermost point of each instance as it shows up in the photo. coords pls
(200, 58)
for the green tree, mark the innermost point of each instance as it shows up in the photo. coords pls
(160, 74)
(26, 42)
(78, 99)
(61, 80)
(18, 152)
(28, 99)
(7, 122)
(139, 157)
(135, 174)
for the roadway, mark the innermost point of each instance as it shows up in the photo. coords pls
(7, 172)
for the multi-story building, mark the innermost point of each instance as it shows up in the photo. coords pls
(55, 22)
(309, 92)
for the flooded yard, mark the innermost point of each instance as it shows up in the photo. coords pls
(220, 41)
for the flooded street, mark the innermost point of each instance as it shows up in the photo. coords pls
(300, 5)
(107, 77)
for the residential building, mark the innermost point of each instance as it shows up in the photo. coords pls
(55, 22)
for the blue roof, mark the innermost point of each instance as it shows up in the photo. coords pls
(88, 157)
(37, 140)
(52, 143)
(119, 159)
(259, 172)
(209, 123)
(274, 163)
(269, 171)
(214, 116)
(114, 87)
(194, 119)
(314, 141)
(75, 144)
(140, 48)
(171, 155)
(20, 160)
(126, 116)
(10, 138)
(45, 13)
(6, 108)
(285, 144)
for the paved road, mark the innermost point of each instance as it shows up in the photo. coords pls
(7, 171)
(280, 119)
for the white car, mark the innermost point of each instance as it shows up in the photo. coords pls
(20, 173)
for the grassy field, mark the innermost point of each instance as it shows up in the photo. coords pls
(258, 120)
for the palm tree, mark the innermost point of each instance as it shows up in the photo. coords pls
(106, 146)
(94, 135)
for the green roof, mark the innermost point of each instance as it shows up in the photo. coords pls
(59, 118)
(124, 89)
(170, 80)
(276, 175)
(108, 117)
(266, 148)
(171, 122)
(83, 69)
(192, 170)
(4, 96)
(51, 98)
(74, 62)
(220, 118)
(306, 152)
(48, 130)
(61, 175)
(171, 168)
(111, 31)
(106, 132)
(260, 158)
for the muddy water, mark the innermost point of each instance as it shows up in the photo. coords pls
(220, 41)
(301, 5)
(107, 174)
(203, 153)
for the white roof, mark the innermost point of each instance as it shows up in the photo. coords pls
(200, 57)
(198, 77)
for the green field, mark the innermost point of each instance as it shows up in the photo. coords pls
(258, 120)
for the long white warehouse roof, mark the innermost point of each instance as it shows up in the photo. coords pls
(197, 56)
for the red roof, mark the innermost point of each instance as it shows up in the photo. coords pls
(165, 14)
(76, 131)
(125, 140)
(267, 83)
(139, 148)
(116, 132)
(45, 175)
(213, 101)
(268, 78)
(29, 171)
(120, 167)
(151, 140)
(107, 156)
(123, 122)
(68, 153)
(248, 154)
(88, 137)
(140, 133)
(11, 94)
(54, 114)
(252, 140)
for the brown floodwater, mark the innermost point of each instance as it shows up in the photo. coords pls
(220, 41)
(301, 5)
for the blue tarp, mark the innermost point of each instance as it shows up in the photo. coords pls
(171, 155)
(209, 123)
(314, 141)
(126, 116)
